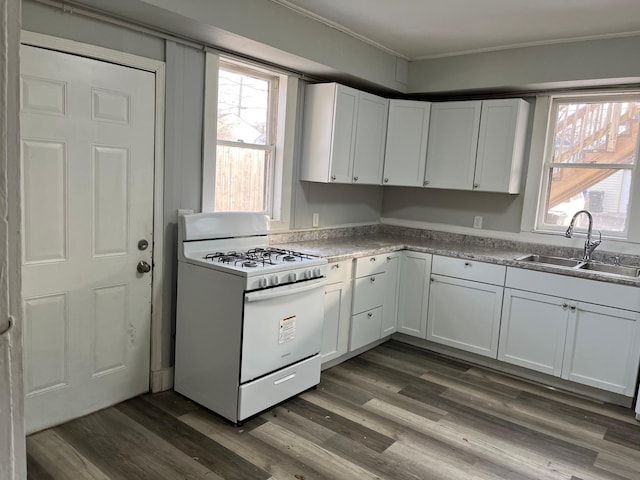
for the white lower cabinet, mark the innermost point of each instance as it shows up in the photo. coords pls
(533, 331)
(391, 291)
(365, 327)
(588, 343)
(464, 314)
(375, 298)
(602, 348)
(413, 297)
(337, 311)
(465, 304)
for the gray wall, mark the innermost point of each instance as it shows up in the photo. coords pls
(336, 204)
(40, 18)
(578, 64)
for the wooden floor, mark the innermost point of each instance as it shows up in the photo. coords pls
(395, 412)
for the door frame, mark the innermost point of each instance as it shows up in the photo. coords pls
(159, 379)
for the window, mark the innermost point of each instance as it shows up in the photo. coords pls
(590, 161)
(245, 140)
(247, 165)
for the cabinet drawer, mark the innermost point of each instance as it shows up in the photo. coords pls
(337, 272)
(365, 328)
(274, 388)
(368, 292)
(371, 265)
(469, 269)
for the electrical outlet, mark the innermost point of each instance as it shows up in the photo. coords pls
(477, 221)
(316, 220)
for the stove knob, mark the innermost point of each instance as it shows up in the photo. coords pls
(293, 277)
(262, 283)
(274, 280)
(317, 272)
(307, 274)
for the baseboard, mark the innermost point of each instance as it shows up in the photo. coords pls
(162, 380)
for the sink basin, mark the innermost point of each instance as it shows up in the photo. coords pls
(558, 261)
(624, 270)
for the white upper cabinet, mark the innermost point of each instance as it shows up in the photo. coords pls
(477, 145)
(406, 152)
(501, 142)
(343, 135)
(452, 146)
(371, 134)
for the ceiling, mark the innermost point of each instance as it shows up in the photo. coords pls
(420, 29)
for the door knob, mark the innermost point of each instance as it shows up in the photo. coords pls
(143, 267)
(143, 244)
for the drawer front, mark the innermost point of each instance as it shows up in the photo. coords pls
(338, 271)
(365, 328)
(274, 388)
(469, 270)
(371, 265)
(368, 292)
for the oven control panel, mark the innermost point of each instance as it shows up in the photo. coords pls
(291, 275)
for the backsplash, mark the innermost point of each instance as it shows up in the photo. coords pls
(438, 236)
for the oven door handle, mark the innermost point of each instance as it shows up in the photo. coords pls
(284, 291)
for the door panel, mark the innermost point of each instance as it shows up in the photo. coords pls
(87, 162)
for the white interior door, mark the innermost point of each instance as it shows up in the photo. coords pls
(87, 157)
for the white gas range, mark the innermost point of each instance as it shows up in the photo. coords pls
(249, 317)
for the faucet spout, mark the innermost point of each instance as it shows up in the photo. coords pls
(589, 244)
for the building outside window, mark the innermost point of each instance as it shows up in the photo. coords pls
(590, 162)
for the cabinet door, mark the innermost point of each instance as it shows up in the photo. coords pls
(328, 133)
(344, 134)
(452, 145)
(391, 288)
(365, 328)
(464, 314)
(533, 331)
(337, 316)
(406, 153)
(371, 133)
(602, 348)
(413, 297)
(501, 145)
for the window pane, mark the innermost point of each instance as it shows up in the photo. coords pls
(241, 176)
(243, 108)
(604, 192)
(598, 132)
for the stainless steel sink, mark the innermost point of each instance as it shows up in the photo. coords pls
(623, 270)
(557, 261)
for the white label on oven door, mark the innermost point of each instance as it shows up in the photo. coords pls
(287, 329)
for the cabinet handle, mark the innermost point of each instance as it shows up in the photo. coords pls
(355, 179)
(372, 259)
(432, 279)
(565, 305)
(476, 185)
(388, 259)
(425, 183)
(386, 180)
(369, 314)
(573, 307)
(468, 264)
(372, 279)
(333, 177)
(336, 266)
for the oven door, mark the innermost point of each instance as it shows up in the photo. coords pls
(281, 326)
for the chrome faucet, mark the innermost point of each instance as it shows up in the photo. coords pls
(589, 244)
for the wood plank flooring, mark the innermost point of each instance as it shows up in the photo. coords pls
(395, 412)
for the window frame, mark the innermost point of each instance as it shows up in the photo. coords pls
(540, 165)
(283, 110)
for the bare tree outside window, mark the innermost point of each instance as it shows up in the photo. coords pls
(245, 139)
